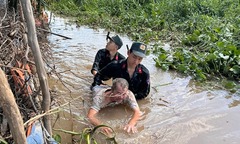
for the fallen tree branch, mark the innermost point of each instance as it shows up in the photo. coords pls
(2, 65)
(5, 14)
(33, 44)
(11, 111)
(51, 111)
(54, 33)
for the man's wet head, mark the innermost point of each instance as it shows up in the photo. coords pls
(119, 87)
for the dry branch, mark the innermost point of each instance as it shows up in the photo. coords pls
(52, 111)
(33, 43)
(54, 33)
(11, 111)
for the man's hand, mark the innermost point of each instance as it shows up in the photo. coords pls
(130, 128)
(107, 130)
(94, 72)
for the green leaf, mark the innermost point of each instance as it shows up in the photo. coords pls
(220, 44)
(197, 32)
(182, 68)
(235, 69)
(229, 84)
(217, 30)
(69, 132)
(57, 138)
(231, 47)
(162, 57)
(225, 57)
(211, 57)
(201, 75)
(3, 141)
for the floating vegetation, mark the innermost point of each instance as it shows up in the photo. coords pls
(204, 35)
(87, 135)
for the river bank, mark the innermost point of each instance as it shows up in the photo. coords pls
(21, 97)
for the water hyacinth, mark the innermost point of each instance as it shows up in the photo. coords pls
(204, 35)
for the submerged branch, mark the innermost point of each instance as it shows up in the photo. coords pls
(54, 33)
(51, 111)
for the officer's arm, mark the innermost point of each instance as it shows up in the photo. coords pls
(144, 88)
(106, 71)
(143, 94)
(95, 66)
(97, 80)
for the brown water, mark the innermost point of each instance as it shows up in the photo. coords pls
(177, 110)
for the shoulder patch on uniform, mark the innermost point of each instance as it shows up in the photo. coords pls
(140, 70)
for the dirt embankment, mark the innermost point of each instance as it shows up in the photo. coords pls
(17, 64)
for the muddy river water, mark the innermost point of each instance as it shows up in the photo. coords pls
(177, 111)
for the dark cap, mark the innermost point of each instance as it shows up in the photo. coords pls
(139, 49)
(117, 40)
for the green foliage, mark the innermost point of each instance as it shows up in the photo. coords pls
(3, 141)
(57, 138)
(229, 84)
(87, 135)
(205, 33)
(66, 7)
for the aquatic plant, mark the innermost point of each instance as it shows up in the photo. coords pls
(204, 35)
(87, 135)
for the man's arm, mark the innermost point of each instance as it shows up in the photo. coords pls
(144, 88)
(144, 93)
(133, 121)
(95, 66)
(96, 80)
(107, 71)
(92, 118)
(132, 102)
